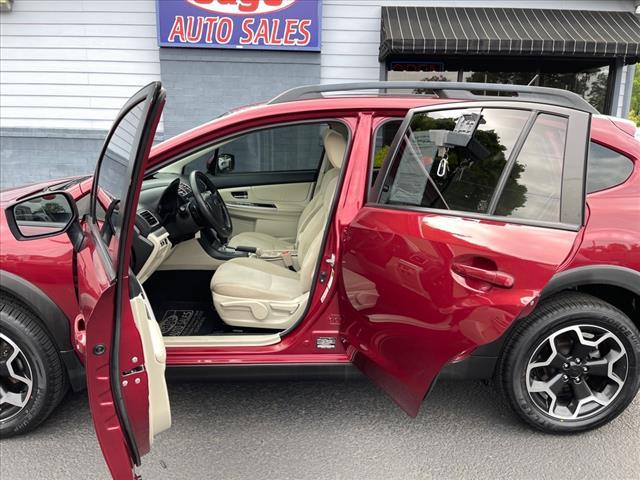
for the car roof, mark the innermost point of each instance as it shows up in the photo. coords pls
(603, 129)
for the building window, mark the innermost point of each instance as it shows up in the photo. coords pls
(590, 84)
(589, 79)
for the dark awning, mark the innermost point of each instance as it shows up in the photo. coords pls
(509, 31)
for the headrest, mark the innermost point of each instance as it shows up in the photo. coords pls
(335, 147)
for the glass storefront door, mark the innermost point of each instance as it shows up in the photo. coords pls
(587, 78)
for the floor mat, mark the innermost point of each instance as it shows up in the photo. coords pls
(181, 301)
(180, 319)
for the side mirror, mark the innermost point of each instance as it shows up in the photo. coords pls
(226, 163)
(44, 215)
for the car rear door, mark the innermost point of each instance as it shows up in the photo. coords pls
(475, 208)
(125, 355)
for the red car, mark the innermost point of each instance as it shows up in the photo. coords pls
(417, 237)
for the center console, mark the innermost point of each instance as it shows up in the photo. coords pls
(216, 249)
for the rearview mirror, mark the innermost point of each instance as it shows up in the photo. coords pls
(226, 163)
(44, 215)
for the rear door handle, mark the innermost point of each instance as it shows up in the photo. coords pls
(494, 277)
(242, 195)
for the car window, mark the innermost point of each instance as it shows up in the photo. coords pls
(534, 185)
(114, 173)
(84, 206)
(430, 173)
(283, 148)
(606, 168)
(382, 139)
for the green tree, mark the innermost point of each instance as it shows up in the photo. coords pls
(598, 91)
(438, 77)
(516, 78)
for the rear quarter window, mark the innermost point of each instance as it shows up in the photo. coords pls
(606, 168)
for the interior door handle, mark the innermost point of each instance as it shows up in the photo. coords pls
(242, 195)
(494, 277)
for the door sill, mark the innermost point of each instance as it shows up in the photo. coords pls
(223, 341)
(270, 371)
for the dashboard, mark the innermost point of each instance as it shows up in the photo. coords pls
(165, 217)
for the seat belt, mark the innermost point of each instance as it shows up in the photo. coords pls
(289, 260)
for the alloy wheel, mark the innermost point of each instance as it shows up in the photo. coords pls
(16, 379)
(576, 372)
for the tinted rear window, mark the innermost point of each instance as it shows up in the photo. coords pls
(606, 168)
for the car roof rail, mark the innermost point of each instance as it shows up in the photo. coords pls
(453, 90)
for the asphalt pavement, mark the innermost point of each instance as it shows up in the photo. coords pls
(331, 430)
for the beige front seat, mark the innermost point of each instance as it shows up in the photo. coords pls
(335, 146)
(250, 292)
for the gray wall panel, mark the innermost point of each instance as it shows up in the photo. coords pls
(29, 159)
(202, 84)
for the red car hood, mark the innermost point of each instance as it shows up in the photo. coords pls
(12, 194)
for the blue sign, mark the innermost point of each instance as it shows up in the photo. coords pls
(257, 24)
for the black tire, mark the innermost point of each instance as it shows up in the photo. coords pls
(49, 378)
(555, 315)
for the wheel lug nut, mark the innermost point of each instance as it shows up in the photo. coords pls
(577, 360)
(585, 369)
(565, 366)
(565, 378)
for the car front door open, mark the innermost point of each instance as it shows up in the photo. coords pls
(476, 207)
(125, 356)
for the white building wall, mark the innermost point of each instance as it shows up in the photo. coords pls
(351, 31)
(72, 64)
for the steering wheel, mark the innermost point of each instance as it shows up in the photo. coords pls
(210, 204)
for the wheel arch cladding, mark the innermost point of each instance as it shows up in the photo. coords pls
(618, 286)
(50, 317)
(589, 279)
(594, 275)
(56, 323)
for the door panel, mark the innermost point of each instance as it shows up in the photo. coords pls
(98, 299)
(291, 193)
(231, 180)
(408, 312)
(116, 432)
(270, 209)
(125, 360)
(432, 268)
(155, 356)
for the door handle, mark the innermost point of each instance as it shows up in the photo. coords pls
(494, 277)
(242, 195)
